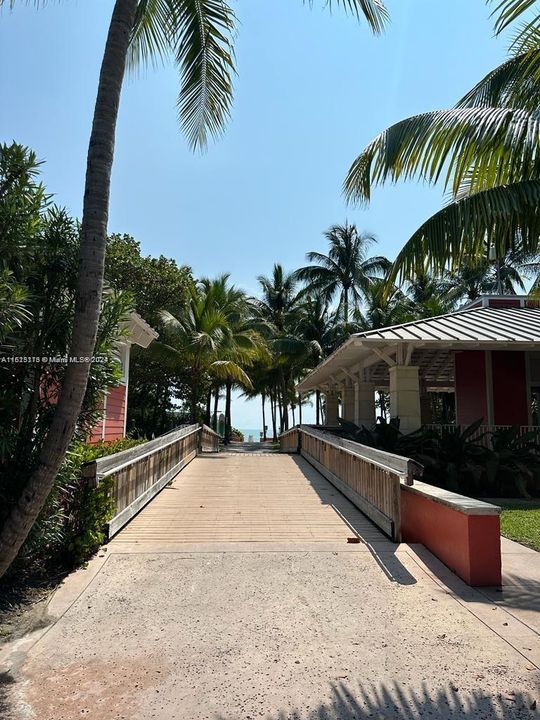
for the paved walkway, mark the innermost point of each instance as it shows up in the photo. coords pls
(255, 621)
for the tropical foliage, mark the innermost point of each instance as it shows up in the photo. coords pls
(484, 151)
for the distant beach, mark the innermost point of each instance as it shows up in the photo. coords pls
(256, 432)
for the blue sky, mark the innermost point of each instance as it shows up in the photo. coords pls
(313, 88)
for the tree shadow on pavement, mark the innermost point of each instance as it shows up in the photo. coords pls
(396, 702)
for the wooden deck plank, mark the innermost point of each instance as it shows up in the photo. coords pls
(248, 498)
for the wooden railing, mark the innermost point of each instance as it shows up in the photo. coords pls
(140, 473)
(209, 439)
(288, 441)
(484, 432)
(370, 478)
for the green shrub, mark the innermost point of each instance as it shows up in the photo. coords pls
(73, 522)
(458, 460)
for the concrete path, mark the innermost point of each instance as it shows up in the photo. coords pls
(246, 625)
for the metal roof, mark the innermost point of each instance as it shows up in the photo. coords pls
(494, 324)
(474, 328)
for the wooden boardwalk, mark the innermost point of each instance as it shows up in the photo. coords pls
(224, 498)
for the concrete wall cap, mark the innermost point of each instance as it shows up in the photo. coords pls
(461, 503)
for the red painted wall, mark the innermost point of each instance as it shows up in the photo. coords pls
(115, 414)
(510, 392)
(470, 545)
(504, 302)
(471, 400)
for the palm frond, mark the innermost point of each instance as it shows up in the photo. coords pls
(150, 39)
(374, 11)
(508, 11)
(229, 370)
(202, 37)
(514, 84)
(487, 146)
(503, 218)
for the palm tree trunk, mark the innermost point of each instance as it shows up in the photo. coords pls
(216, 401)
(263, 399)
(228, 424)
(318, 406)
(273, 413)
(285, 423)
(208, 407)
(300, 408)
(89, 285)
(346, 305)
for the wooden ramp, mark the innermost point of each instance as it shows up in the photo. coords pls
(223, 498)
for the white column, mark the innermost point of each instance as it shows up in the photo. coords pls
(364, 410)
(348, 396)
(405, 397)
(331, 407)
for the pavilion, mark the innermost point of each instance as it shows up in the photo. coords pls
(487, 353)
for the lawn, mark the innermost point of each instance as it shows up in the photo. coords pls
(520, 521)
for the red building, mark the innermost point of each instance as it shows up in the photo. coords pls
(112, 425)
(487, 354)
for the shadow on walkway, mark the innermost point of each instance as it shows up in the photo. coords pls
(381, 548)
(396, 702)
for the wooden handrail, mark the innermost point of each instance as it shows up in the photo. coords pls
(370, 478)
(138, 474)
(405, 467)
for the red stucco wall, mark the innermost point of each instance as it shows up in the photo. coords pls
(114, 417)
(115, 414)
(470, 545)
(510, 393)
(471, 400)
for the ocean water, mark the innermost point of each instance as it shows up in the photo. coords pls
(256, 432)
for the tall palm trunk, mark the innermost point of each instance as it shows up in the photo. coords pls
(228, 424)
(300, 408)
(318, 406)
(346, 305)
(263, 400)
(285, 404)
(89, 285)
(273, 413)
(208, 407)
(216, 401)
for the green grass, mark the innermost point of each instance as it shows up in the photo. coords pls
(520, 521)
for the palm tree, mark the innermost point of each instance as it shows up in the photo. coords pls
(382, 308)
(198, 35)
(485, 151)
(346, 269)
(429, 295)
(207, 340)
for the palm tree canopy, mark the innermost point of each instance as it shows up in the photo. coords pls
(346, 269)
(198, 35)
(486, 151)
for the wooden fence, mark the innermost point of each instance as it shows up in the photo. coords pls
(140, 473)
(288, 441)
(209, 440)
(482, 435)
(370, 478)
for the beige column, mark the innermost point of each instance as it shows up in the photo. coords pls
(348, 401)
(331, 407)
(364, 410)
(405, 397)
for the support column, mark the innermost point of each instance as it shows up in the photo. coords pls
(364, 407)
(331, 408)
(348, 396)
(405, 397)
